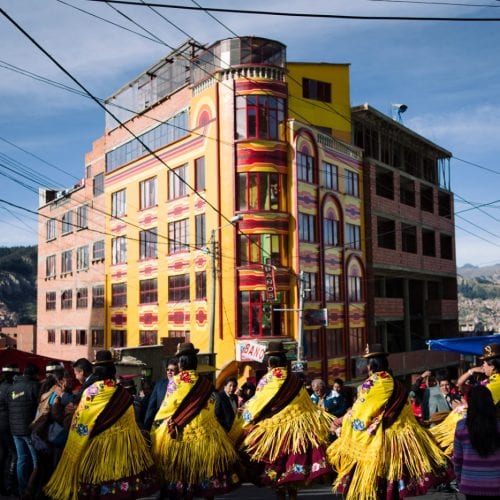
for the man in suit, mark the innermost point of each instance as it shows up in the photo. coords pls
(226, 405)
(443, 400)
(159, 391)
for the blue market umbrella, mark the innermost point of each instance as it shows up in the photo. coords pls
(463, 345)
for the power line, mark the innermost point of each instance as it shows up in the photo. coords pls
(437, 3)
(476, 165)
(301, 14)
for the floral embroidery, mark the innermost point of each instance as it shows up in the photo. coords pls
(186, 377)
(277, 372)
(358, 425)
(92, 391)
(82, 429)
(373, 426)
(124, 486)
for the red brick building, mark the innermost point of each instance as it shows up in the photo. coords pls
(410, 235)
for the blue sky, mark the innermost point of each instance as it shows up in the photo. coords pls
(447, 73)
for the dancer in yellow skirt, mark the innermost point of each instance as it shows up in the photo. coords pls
(382, 451)
(105, 455)
(444, 432)
(285, 433)
(194, 455)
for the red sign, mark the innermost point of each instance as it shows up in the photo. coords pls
(270, 283)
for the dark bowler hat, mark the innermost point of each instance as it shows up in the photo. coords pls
(275, 347)
(10, 369)
(491, 351)
(374, 351)
(186, 348)
(54, 366)
(103, 358)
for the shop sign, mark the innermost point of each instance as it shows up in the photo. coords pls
(250, 351)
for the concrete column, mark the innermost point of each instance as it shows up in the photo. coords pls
(406, 306)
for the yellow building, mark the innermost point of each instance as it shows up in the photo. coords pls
(234, 208)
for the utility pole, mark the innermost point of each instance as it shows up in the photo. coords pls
(213, 250)
(300, 339)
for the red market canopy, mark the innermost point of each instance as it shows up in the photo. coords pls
(10, 356)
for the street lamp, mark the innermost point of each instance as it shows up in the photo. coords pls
(213, 251)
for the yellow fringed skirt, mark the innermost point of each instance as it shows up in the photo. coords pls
(444, 432)
(400, 461)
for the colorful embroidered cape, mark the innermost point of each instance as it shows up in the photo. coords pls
(114, 464)
(200, 460)
(375, 462)
(291, 444)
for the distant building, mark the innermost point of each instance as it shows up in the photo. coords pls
(410, 234)
(21, 337)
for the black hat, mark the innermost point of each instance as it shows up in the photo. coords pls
(374, 351)
(186, 348)
(10, 369)
(275, 347)
(54, 366)
(103, 358)
(490, 351)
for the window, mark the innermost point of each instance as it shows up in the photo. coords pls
(444, 204)
(386, 233)
(82, 298)
(330, 176)
(357, 340)
(446, 246)
(427, 198)
(334, 344)
(179, 334)
(51, 229)
(98, 296)
(66, 262)
(82, 217)
(307, 225)
(384, 183)
(259, 116)
(97, 338)
(311, 344)
(147, 193)
(201, 285)
(81, 337)
(332, 288)
(66, 299)
(354, 289)
(178, 288)
(309, 286)
(118, 338)
(148, 291)
(428, 242)
(118, 294)
(51, 336)
(200, 229)
(259, 249)
(314, 89)
(199, 169)
(88, 171)
(407, 191)
(178, 236)
(258, 191)
(408, 238)
(67, 223)
(148, 337)
(351, 183)
(353, 236)
(98, 250)
(50, 266)
(119, 203)
(177, 182)
(82, 258)
(98, 187)
(119, 250)
(65, 336)
(331, 231)
(169, 131)
(305, 167)
(50, 301)
(148, 243)
(256, 316)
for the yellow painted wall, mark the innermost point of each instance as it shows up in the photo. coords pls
(335, 115)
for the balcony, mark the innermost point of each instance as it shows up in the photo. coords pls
(389, 307)
(444, 308)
